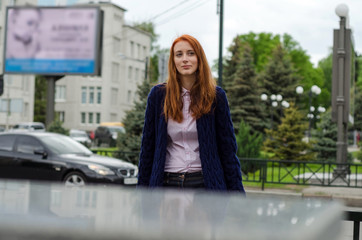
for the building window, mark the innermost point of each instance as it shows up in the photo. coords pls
(25, 83)
(82, 117)
(114, 96)
(144, 52)
(98, 118)
(84, 95)
(60, 93)
(138, 51)
(115, 72)
(61, 116)
(26, 109)
(132, 49)
(130, 69)
(116, 45)
(90, 117)
(129, 96)
(91, 95)
(99, 95)
(136, 77)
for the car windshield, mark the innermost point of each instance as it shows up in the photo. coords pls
(18, 126)
(116, 129)
(78, 134)
(64, 145)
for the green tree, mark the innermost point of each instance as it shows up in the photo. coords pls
(286, 142)
(40, 97)
(148, 27)
(325, 65)
(249, 146)
(279, 77)
(130, 141)
(57, 127)
(326, 137)
(243, 93)
(262, 45)
(231, 63)
(358, 109)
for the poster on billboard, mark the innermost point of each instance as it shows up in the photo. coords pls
(52, 40)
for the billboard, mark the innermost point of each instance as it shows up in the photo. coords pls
(53, 40)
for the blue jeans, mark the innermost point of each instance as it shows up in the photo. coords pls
(184, 180)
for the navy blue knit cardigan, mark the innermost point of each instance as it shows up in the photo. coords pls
(217, 144)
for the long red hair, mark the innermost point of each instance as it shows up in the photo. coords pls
(203, 91)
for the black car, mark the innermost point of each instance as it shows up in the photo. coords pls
(55, 157)
(107, 134)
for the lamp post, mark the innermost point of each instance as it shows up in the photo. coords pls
(314, 90)
(341, 75)
(275, 100)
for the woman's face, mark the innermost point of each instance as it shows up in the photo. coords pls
(185, 58)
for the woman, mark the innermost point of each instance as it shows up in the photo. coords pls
(188, 137)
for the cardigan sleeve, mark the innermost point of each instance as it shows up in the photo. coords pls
(226, 143)
(148, 141)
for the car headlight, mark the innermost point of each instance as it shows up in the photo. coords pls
(135, 172)
(100, 169)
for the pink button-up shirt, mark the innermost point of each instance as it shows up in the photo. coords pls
(183, 145)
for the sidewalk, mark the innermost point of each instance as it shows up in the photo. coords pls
(351, 197)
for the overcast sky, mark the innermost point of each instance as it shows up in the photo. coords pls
(309, 22)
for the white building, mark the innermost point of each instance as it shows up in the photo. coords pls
(82, 102)
(17, 101)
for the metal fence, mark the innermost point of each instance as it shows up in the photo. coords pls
(266, 171)
(302, 173)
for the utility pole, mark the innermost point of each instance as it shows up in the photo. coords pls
(220, 8)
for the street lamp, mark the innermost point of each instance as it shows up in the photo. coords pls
(314, 90)
(341, 76)
(275, 100)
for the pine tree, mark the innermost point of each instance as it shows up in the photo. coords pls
(286, 142)
(130, 141)
(279, 77)
(243, 93)
(230, 65)
(40, 99)
(57, 127)
(326, 138)
(249, 146)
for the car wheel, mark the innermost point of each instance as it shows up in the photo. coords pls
(74, 179)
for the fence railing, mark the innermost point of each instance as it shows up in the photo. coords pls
(301, 172)
(266, 171)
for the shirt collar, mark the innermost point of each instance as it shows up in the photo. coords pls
(185, 92)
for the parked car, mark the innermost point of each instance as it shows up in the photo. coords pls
(29, 126)
(107, 134)
(55, 157)
(81, 137)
